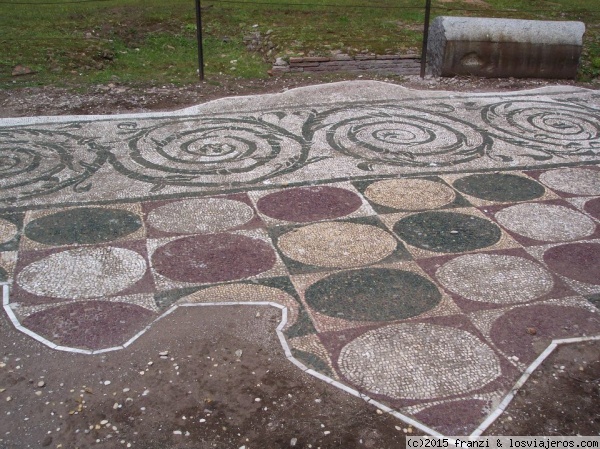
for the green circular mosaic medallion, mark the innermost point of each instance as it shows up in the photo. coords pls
(86, 225)
(499, 187)
(447, 232)
(373, 294)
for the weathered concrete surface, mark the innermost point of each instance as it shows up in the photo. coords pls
(497, 48)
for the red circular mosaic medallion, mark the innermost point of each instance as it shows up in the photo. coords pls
(519, 330)
(89, 324)
(213, 258)
(592, 207)
(305, 204)
(579, 261)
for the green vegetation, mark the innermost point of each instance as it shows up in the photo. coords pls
(154, 42)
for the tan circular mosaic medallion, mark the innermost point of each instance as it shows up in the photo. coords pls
(333, 244)
(200, 215)
(578, 181)
(240, 293)
(418, 361)
(546, 222)
(495, 278)
(83, 273)
(7, 231)
(410, 194)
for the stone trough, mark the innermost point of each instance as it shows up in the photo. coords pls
(501, 48)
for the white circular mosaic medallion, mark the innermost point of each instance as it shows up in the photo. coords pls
(200, 215)
(83, 273)
(546, 222)
(418, 361)
(578, 181)
(7, 231)
(334, 244)
(410, 194)
(495, 278)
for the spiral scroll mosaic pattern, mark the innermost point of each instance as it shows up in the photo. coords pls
(559, 128)
(153, 156)
(38, 161)
(205, 152)
(396, 135)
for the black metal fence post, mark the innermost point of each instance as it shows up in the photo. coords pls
(199, 37)
(425, 38)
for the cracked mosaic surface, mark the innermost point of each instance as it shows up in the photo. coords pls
(416, 239)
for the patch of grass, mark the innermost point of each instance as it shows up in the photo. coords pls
(154, 42)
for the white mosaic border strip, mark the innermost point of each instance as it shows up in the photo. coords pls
(327, 94)
(288, 354)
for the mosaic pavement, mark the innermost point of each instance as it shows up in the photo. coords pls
(426, 249)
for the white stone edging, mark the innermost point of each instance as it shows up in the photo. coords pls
(288, 354)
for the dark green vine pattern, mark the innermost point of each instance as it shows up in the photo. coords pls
(549, 128)
(36, 162)
(241, 151)
(211, 152)
(402, 135)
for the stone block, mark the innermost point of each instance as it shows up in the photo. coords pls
(501, 48)
(303, 64)
(385, 57)
(316, 59)
(342, 57)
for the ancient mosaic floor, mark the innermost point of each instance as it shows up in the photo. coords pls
(425, 248)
